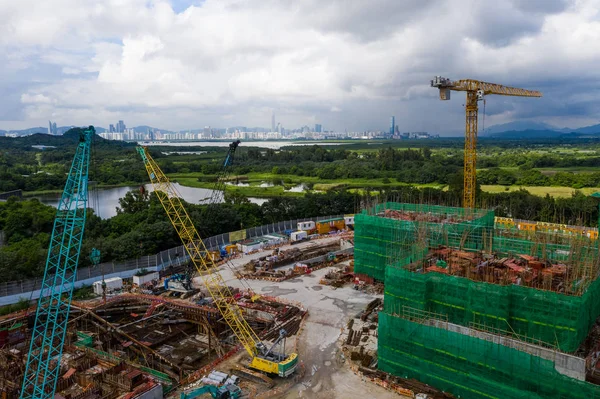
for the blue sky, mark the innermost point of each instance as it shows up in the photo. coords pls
(346, 64)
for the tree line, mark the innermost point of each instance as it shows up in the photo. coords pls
(142, 228)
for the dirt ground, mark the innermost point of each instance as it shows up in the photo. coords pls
(329, 309)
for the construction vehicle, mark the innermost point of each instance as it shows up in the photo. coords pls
(52, 313)
(180, 282)
(476, 91)
(264, 359)
(219, 188)
(228, 391)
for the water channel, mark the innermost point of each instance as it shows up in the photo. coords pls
(108, 198)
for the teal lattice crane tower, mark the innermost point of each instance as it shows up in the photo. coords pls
(47, 340)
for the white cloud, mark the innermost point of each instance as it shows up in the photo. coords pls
(347, 63)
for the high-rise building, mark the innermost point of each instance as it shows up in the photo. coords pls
(392, 125)
(318, 128)
(121, 127)
(52, 129)
(273, 125)
(111, 128)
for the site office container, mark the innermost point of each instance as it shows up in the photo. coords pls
(333, 224)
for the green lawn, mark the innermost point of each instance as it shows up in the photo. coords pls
(541, 191)
(256, 179)
(250, 191)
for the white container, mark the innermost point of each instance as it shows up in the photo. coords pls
(112, 284)
(306, 226)
(141, 280)
(298, 235)
(115, 283)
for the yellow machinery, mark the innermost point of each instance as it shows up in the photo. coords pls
(263, 359)
(476, 91)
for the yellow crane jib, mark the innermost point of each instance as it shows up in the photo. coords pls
(263, 359)
(476, 91)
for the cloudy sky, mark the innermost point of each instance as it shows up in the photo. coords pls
(347, 64)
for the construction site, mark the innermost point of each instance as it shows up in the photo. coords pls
(399, 300)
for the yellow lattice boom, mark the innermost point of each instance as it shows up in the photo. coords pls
(212, 279)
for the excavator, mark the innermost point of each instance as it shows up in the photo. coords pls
(269, 360)
(229, 391)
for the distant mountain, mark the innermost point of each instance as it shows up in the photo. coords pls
(594, 129)
(518, 126)
(528, 134)
(527, 129)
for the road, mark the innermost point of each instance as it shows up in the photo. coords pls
(328, 311)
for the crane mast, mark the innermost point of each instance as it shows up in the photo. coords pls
(263, 358)
(47, 341)
(476, 91)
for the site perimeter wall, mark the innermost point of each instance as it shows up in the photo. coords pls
(162, 260)
(377, 238)
(469, 367)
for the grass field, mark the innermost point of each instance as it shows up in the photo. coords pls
(541, 191)
(256, 179)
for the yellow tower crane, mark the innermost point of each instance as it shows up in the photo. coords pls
(271, 360)
(476, 91)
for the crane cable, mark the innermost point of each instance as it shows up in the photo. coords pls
(483, 121)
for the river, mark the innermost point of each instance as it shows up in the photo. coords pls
(108, 198)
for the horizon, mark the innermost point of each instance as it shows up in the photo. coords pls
(345, 65)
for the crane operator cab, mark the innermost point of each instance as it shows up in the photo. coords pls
(274, 360)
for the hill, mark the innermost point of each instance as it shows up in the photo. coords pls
(518, 126)
(66, 140)
(527, 134)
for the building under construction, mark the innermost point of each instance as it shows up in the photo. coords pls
(481, 312)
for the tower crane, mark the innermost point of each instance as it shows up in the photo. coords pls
(52, 313)
(265, 359)
(476, 91)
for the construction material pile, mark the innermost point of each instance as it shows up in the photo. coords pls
(416, 216)
(280, 258)
(520, 269)
(338, 278)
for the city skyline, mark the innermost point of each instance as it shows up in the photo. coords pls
(301, 63)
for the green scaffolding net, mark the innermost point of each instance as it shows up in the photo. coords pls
(470, 367)
(387, 230)
(530, 314)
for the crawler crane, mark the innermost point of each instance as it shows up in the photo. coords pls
(264, 359)
(52, 313)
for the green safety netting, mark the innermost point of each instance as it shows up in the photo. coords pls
(559, 320)
(470, 367)
(378, 239)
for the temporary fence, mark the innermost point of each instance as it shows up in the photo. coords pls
(163, 259)
(387, 230)
(470, 367)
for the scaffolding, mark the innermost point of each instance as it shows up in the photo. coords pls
(470, 367)
(446, 266)
(386, 230)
